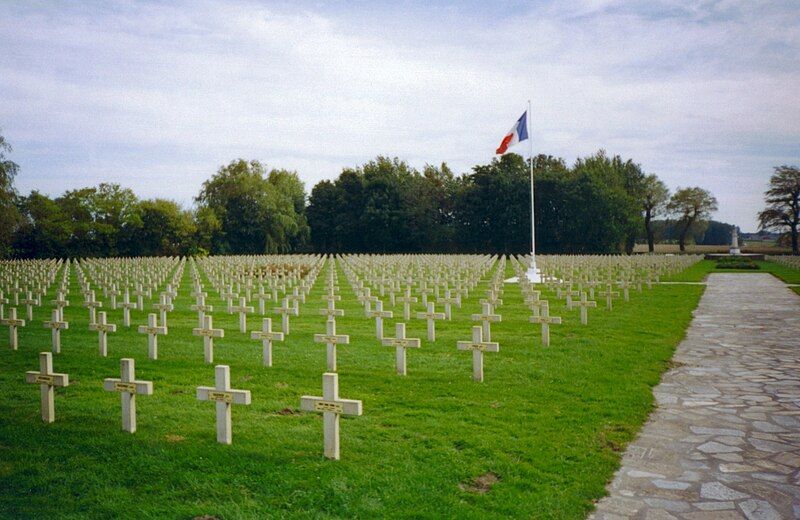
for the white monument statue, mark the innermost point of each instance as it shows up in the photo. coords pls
(734, 250)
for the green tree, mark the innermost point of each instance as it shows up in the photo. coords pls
(164, 229)
(654, 200)
(9, 214)
(691, 206)
(783, 204)
(256, 212)
(322, 212)
(44, 231)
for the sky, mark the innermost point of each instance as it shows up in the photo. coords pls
(156, 96)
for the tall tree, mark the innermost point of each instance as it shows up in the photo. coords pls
(654, 199)
(9, 213)
(783, 204)
(690, 206)
(257, 212)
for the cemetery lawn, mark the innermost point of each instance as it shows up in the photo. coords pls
(699, 271)
(539, 438)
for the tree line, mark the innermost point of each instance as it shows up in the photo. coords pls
(600, 204)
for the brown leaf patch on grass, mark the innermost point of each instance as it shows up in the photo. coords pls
(481, 484)
(175, 438)
(206, 517)
(281, 386)
(495, 404)
(175, 391)
(287, 411)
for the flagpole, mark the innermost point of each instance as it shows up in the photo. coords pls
(532, 271)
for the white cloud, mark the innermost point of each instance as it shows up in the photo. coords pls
(157, 97)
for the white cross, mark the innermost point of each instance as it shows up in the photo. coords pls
(224, 397)
(431, 318)
(448, 301)
(102, 328)
(584, 304)
(128, 387)
(331, 407)
(201, 308)
(487, 317)
(47, 380)
(285, 311)
(401, 343)
(29, 302)
(478, 347)
(208, 333)
(153, 330)
(267, 337)
(331, 311)
(242, 309)
(545, 319)
(91, 304)
(60, 302)
(407, 300)
(331, 339)
(56, 325)
(126, 309)
(12, 323)
(379, 314)
(163, 306)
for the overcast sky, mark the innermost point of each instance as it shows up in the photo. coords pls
(156, 96)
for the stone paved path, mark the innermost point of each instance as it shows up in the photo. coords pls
(724, 441)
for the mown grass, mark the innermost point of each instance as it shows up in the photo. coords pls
(549, 422)
(699, 271)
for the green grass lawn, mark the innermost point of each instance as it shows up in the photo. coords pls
(699, 271)
(549, 423)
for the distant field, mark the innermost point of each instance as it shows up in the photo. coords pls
(690, 249)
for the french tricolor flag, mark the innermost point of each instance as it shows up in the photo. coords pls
(518, 132)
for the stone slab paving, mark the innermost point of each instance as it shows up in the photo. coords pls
(724, 442)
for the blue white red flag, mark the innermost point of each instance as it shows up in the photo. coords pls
(518, 132)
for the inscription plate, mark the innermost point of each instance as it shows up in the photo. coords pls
(44, 379)
(224, 397)
(119, 386)
(328, 406)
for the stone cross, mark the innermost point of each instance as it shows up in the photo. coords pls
(267, 337)
(163, 306)
(140, 294)
(12, 323)
(243, 309)
(448, 302)
(487, 317)
(584, 304)
(285, 310)
(153, 330)
(56, 325)
(60, 302)
(47, 381)
(431, 318)
(29, 302)
(3, 302)
(201, 308)
(331, 339)
(379, 314)
(610, 294)
(407, 300)
(401, 343)
(331, 407)
(126, 309)
(224, 397)
(478, 347)
(128, 387)
(102, 328)
(208, 333)
(92, 304)
(545, 320)
(262, 297)
(331, 311)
